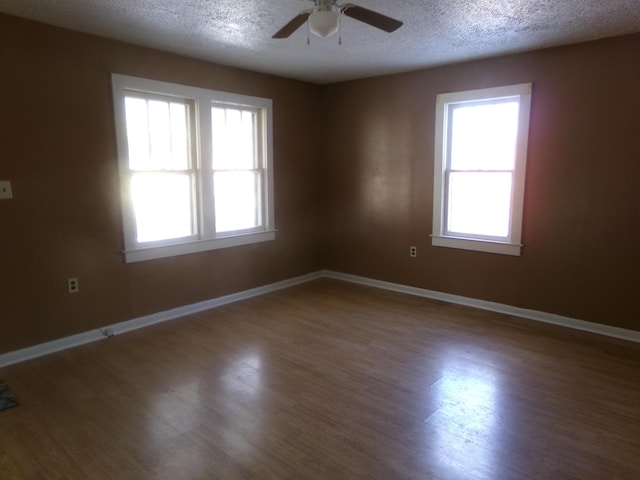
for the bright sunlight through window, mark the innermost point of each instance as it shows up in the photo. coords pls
(159, 161)
(236, 176)
(480, 156)
(195, 168)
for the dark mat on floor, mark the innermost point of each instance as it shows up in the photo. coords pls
(7, 398)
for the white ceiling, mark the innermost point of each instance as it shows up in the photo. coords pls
(435, 32)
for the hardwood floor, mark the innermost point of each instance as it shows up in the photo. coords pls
(329, 380)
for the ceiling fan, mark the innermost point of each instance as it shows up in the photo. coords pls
(324, 19)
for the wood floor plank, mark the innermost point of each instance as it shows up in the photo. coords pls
(329, 380)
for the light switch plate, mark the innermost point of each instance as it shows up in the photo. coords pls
(5, 190)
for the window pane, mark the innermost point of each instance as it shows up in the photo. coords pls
(233, 138)
(162, 205)
(236, 200)
(484, 136)
(137, 122)
(157, 134)
(179, 139)
(479, 203)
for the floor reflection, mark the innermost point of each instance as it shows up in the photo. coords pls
(179, 407)
(242, 402)
(244, 375)
(461, 433)
(226, 408)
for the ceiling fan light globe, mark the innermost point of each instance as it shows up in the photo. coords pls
(324, 23)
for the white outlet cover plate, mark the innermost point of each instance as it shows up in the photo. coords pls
(5, 190)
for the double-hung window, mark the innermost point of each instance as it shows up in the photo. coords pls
(195, 168)
(480, 159)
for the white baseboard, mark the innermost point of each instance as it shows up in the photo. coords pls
(28, 353)
(147, 320)
(598, 328)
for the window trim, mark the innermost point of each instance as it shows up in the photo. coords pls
(202, 100)
(440, 238)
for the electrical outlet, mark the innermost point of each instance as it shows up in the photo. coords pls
(5, 190)
(413, 251)
(73, 286)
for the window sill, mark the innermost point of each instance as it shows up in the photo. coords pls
(150, 253)
(502, 248)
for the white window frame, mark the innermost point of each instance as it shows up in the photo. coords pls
(511, 244)
(201, 100)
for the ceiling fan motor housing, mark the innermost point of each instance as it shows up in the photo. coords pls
(324, 5)
(325, 20)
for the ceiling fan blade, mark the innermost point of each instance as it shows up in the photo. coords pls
(293, 25)
(372, 18)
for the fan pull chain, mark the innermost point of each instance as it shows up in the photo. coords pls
(308, 34)
(339, 31)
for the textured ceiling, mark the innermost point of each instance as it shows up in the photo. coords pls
(435, 32)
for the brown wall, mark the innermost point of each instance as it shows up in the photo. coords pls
(58, 149)
(581, 219)
(582, 202)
